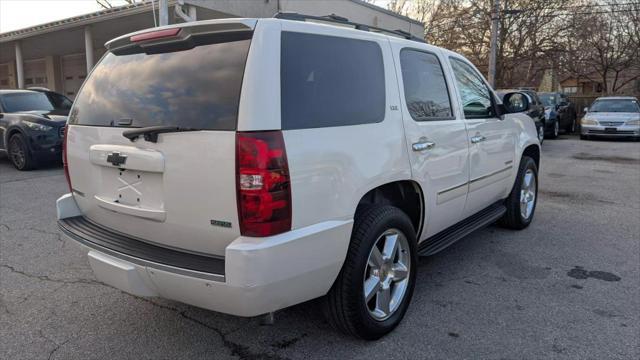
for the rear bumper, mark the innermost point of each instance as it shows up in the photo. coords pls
(256, 276)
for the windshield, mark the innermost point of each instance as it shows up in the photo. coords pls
(548, 100)
(26, 101)
(197, 88)
(618, 105)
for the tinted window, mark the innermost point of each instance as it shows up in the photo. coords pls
(475, 95)
(425, 88)
(25, 101)
(59, 101)
(195, 88)
(615, 106)
(330, 81)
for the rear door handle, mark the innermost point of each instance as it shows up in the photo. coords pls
(423, 144)
(478, 138)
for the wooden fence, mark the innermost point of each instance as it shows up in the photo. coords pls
(581, 102)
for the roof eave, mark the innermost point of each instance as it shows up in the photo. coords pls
(77, 21)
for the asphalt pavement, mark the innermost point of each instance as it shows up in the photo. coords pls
(567, 287)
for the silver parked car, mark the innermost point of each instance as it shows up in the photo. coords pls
(612, 116)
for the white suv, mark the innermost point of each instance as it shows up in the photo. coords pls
(247, 165)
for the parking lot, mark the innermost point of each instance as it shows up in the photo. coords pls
(566, 287)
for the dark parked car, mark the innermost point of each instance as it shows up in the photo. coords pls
(31, 129)
(536, 110)
(557, 106)
(59, 101)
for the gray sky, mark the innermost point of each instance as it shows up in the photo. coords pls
(18, 14)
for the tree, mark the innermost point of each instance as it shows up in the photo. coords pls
(577, 38)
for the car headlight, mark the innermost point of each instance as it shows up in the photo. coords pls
(633, 122)
(587, 121)
(36, 126)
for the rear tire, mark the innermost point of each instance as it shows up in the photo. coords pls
(521, 203)
(571, 128)
(555, 131)
(372, 265)
(584, 137)
(19, 154)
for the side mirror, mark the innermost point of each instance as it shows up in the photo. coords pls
(586, 110)
(515, 102)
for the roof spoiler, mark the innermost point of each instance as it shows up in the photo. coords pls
(179, 36)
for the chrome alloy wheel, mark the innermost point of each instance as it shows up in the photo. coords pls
(386, 277)
(541, 133)
(527, 194)
(16, 152)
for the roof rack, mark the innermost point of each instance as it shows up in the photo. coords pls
(336, 19)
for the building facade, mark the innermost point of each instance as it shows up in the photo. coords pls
(60, 54)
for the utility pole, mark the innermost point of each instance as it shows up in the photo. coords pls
(495, 23)
(163, 12)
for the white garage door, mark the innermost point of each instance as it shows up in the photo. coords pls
(74, 71)
(35, 73)
(5, 82)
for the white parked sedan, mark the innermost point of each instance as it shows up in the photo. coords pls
(614, 116)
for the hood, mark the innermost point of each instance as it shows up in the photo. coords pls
(53, 115)
(613, 116)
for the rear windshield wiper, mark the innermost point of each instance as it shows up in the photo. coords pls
(151, 133)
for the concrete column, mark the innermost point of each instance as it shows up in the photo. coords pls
(19, 65)
(88, 48)
(163, 12)
(54, 76)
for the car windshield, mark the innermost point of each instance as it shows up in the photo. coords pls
(548, 99)
(27, 101)
(617, 105)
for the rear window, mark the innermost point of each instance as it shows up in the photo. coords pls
(25, 101)
(197, 88)
(330, 81)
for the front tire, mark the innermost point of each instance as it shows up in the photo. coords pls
(374, 288)
(19, 153)
(521, 203)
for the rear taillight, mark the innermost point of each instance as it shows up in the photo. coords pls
(64, 156)
(263, 184)
(154, 35)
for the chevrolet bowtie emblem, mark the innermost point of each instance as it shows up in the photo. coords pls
(116, 159)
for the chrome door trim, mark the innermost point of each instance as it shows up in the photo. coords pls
(451, 193)
(489, 179)
(491, 174)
